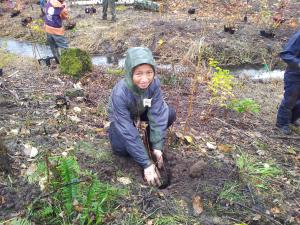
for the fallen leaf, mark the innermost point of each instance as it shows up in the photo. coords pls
(30, 151)
(124, 180)
(275, 210)
(197, 205)
(179, 135)
(160, 42)
(188, 139)
(2, 200)
(31, 169)
(74, 119)
(77, 206)
(256, 217)
(291, 151)
(149, 222)
(14, 131)
(225, 148)
(77, 109)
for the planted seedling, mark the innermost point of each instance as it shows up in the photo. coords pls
(229, 28)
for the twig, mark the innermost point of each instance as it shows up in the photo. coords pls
(259, 212)
(14, 73)
(251, 194)
(285, 137)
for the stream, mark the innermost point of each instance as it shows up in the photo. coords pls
(38, 51)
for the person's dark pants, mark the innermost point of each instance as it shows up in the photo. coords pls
(289, 109)
(112, 5)
(116, 140)
(57, 42)
(296, 112)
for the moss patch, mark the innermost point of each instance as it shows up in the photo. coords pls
(75, 62)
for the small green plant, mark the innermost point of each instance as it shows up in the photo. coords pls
(230, 192)
(257, 173)
(166, 220)
(171, 80)
(220, 85)
(117, 72)
(77, 196)
(244, 105)
(75, 62)
(134, 218)
(6, 57)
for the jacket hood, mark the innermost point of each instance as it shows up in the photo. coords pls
(137, 56)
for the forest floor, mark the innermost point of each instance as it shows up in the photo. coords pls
(237, 169)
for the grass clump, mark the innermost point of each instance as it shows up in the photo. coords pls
(75, 62)
(117, 72)
(257, 173)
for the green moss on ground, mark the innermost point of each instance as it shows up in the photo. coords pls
(75, 62)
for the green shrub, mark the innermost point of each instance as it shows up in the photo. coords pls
(75, 62)
(244, 105)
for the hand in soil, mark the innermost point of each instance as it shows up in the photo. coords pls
(152, 175)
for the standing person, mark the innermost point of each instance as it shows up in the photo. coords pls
(56, 12)
(112, 6)
(289, 109)
(138, 96)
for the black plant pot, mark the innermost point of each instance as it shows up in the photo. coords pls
(192, 10)
(1, 72)
(267, 34)
(15, 13)
(226, 29)
(229, 29)
(245, 19)
(93, 10)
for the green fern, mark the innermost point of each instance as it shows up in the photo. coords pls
(69, 169)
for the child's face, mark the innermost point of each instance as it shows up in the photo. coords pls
(143, 76)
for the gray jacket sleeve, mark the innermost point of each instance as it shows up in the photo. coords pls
(125, 127)
(158, 116)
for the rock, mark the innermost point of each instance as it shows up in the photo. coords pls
(211, 145)
(197, 169)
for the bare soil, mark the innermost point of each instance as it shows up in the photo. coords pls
(28, 115)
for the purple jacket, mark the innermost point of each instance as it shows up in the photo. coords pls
(53, 15)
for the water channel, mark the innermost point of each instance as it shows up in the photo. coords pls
(38, 51)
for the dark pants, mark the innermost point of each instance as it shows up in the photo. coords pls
(57, 42)
(289, 109)
(117, 142)
(112, 6)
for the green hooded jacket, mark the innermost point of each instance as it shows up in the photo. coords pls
(126, 105)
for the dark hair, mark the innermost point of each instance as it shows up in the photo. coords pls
(133, 69)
